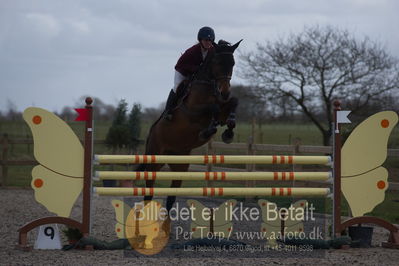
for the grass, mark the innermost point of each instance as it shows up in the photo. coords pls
(277, 133)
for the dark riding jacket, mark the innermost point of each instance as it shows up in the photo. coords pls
(191, 60)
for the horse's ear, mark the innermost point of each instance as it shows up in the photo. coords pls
(236, 45)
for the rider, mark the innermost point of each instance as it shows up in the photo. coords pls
(188, 64)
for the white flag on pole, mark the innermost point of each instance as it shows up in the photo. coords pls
(342, 118)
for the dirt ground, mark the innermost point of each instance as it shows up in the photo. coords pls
(19, 207)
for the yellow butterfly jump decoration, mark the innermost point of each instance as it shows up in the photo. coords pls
(364, 181)
(58, 180)
(216, 222)
(141, 225)
(272, 225)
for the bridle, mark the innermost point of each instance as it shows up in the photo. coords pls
(223, 77)
(211, 81)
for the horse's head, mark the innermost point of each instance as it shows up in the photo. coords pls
(222, 65)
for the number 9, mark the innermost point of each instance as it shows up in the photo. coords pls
(49, 231)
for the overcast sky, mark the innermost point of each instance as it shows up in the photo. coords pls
(54, 51)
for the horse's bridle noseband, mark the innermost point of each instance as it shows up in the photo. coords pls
(225, 77)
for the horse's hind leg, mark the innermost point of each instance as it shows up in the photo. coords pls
(171, 199)
(175, 183)
(150, 183)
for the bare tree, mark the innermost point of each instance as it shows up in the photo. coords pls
(12, 112)
(249, 104)
(67, 114)
(319, 65)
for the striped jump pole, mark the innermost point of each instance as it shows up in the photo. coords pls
(213, 192)
(214, 176)
(211, 159)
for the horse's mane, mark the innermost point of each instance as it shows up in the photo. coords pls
(223, 43)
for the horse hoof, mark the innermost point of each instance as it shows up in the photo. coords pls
(231, 123)
(228, 136)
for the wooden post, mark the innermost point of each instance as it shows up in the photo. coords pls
(209, 151)
(11, 144)
(297, 146)
(253, 129)
(297, 142)
(251, 141)
(88, 145)
(337, 173)
(4, 158)
(250, 151)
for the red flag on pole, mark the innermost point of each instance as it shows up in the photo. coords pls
(82, 114)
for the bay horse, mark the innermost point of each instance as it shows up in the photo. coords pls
(206, 104)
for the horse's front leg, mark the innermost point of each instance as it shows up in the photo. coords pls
(208, 132)
(229, 110)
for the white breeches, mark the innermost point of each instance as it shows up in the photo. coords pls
(178, 79)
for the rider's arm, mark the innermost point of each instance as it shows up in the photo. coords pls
(190, 61)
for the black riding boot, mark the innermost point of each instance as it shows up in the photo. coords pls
(171, 103)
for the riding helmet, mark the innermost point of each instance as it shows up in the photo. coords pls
(206, 33)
